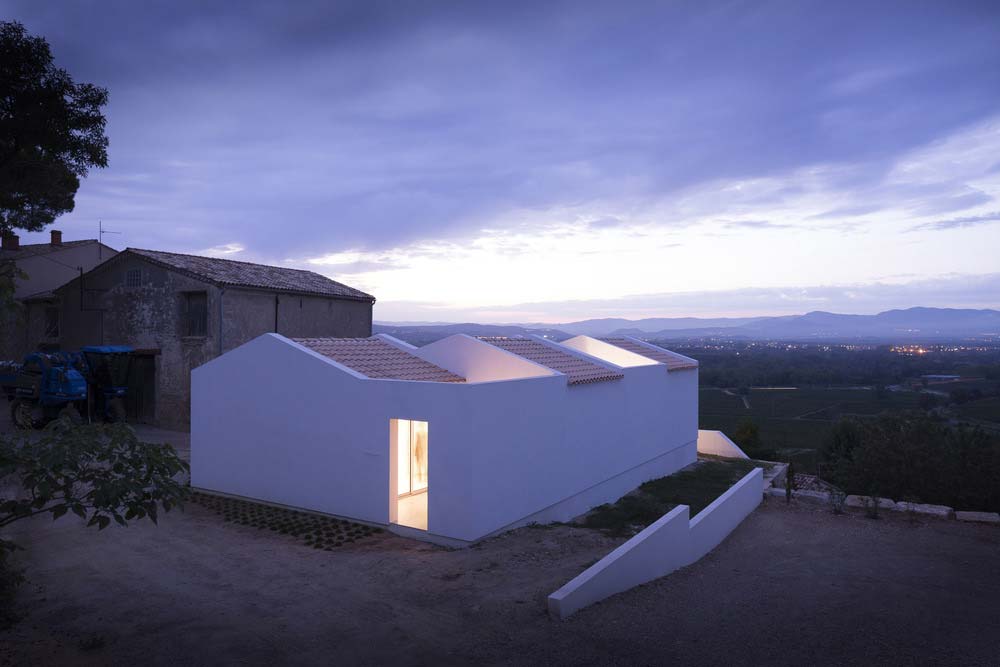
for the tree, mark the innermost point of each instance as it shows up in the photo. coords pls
(747, 437)
(51, 132)
(100, 472)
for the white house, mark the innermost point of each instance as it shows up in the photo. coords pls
(450, 442)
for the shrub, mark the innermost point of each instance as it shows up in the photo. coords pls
(101, 472)
(914, 456)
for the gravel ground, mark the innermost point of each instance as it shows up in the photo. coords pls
(792, 585)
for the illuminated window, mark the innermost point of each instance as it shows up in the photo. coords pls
(411, 440)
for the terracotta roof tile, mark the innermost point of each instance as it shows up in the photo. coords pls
(378, 359)
(576, 370)
(672, 360)
(246, 274)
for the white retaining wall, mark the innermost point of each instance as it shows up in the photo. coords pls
(671, 542)
(715, 443)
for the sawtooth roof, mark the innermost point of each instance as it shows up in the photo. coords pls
(377, 359)
(228, 272)
(576, 370)
(672, 360)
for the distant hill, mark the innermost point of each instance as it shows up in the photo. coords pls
(911, 324)
(603, 327)
(423, 334)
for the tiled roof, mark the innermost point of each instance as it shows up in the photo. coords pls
(377, 359)
(34, 249)
(576, 370)
(672, 360)
(246, 274)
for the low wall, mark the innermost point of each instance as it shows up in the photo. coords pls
(671, 542)
(715, 443)
(611, 489)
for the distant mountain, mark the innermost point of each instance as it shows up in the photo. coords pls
(424, 334)
(603, 327)
(912, 324)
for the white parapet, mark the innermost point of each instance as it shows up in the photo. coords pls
(715, 443)
(669, 543)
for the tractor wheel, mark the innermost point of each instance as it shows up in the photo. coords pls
(72, 414)
(24, 414)
(116, 411)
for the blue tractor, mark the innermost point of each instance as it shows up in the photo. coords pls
(106, 369)
(91, 382)
(44, 387)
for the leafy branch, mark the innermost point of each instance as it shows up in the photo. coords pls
(99, 472)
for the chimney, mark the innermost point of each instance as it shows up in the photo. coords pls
(10, 242)
(56, 237)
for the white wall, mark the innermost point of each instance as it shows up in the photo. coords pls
(275, 421)
(669, 543)
(715, 443)
(269, 421)
(523, 446)
(608, 352)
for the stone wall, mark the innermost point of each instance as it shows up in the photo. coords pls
(151, 316)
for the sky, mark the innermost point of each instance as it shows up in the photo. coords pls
(549, 162)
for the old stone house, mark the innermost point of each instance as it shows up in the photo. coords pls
(179, 311)
(34, 321)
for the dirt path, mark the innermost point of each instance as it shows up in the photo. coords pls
(792, 585)
(745, 399)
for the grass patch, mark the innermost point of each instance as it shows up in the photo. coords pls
(696, 486)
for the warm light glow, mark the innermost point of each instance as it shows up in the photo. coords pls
(411, 443)
(403, 456)
(608, 352)
(418, 455)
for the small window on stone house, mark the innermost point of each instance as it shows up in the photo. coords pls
(195, 313)
(52, 322)
(133, 278)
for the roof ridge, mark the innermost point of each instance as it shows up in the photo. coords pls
(577, 369)
(224, 271)
(222, 259)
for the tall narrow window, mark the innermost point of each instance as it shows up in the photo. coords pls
(411, 440)
(196, 313)
(133, 278)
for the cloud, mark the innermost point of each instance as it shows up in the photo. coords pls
(957, 223)
(957, 202)
(847, 211)
(333, 126)
(955, 291)
(605, 223)
(509, 152)
(223, 250)
(753, 224)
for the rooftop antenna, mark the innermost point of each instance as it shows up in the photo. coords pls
(101, 231)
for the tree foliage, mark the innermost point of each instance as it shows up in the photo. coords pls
(903, 456)
(763, 366)
(51, 132)
(100, 472)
